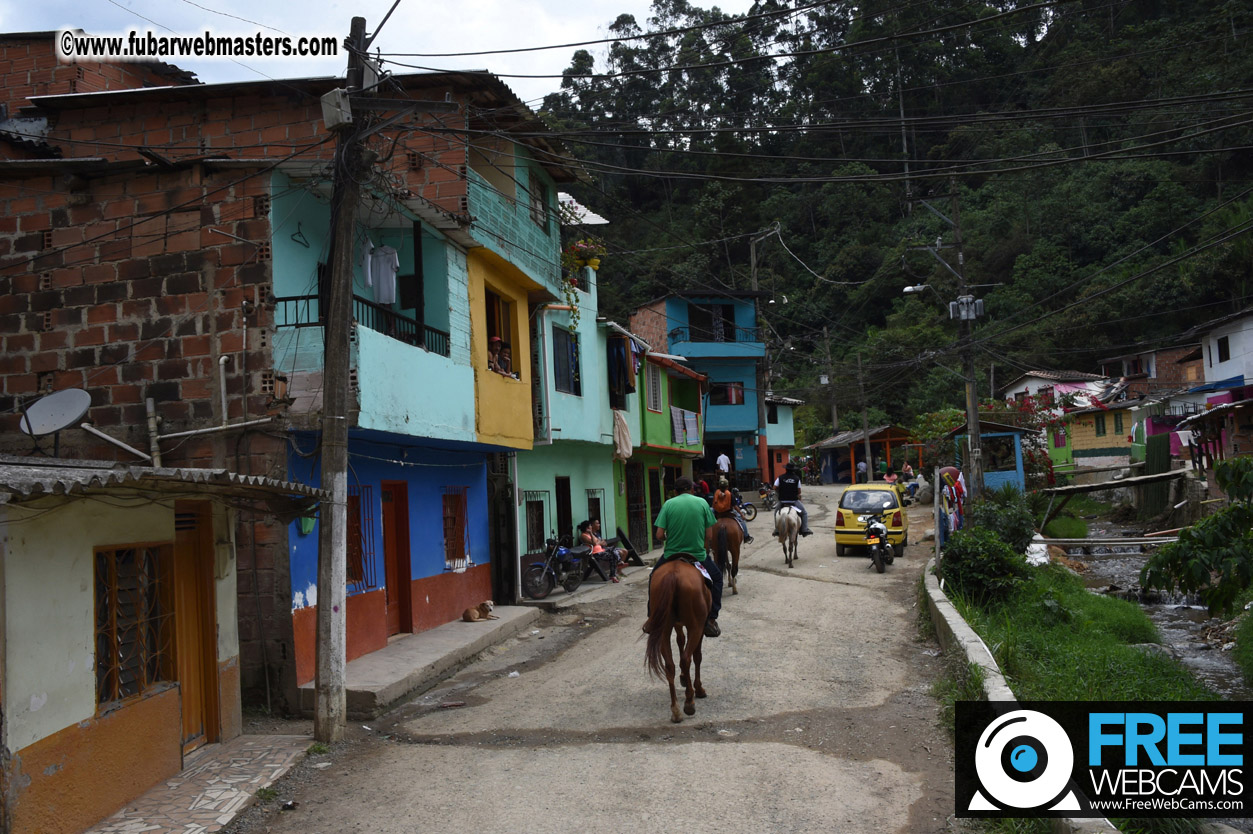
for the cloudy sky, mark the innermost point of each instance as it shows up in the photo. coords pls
(417, 26)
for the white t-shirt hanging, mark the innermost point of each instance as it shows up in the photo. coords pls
(384, 264)
(367, 251)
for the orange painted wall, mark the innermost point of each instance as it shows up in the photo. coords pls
(443, 598)
(366, 627)
(436, 600)
(70, 780)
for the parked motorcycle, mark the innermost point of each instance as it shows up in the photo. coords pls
(747, 509)
(881, 551)
(768, 499)
(562, 566)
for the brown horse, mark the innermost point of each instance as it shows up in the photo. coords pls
(723, 540)
(679, 602)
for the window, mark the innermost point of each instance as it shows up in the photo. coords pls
(499, 317)
(1118, 423)
(566, 361)
(595, 500)
(134, 620)
(539, 202)
(456, 542)
(778, 457)
(536, 503)
(726, 393)
(652, 379)
(1100, 425)
(772, 413)
(1045, 395)
(1059, 439)
(1224, 349)
(361, 568)
(711, 322)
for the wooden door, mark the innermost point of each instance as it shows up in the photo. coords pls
(396, 575)
(195, 619)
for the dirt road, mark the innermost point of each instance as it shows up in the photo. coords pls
(819, 718)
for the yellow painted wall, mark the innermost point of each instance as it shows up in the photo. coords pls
(1083, 433)
(502, 406)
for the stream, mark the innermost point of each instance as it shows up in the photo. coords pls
(1194, 637)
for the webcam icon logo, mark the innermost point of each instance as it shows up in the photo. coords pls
(1024, 760)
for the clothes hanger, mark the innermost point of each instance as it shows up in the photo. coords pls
(299, 236)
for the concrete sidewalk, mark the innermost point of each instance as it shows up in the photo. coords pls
(412, 663)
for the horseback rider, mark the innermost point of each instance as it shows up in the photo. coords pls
(788, 487)
(724, 507)
(681, 524)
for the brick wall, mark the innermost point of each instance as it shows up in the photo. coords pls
(29, 67)
(651, 325)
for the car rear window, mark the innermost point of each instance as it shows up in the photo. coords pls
(868, 499)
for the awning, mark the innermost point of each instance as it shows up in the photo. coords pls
(1220, 385)
(29, 479)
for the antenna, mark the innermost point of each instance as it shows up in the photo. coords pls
(51, 414)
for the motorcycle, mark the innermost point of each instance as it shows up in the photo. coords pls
(881, 551)
(562, 565)
(769, 500)
(747, 509)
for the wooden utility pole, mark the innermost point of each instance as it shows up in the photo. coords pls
(865, 424)
(826, 349)
(331, 700)
(966, 310)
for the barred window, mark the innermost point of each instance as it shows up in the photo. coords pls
(536, 503)
(134, 620)
(652, 378)
(362, 572)
(456, 539)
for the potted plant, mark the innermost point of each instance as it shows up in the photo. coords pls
(584, 252)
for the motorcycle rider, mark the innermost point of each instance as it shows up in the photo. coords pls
(788, 487)
(724, 507)
(681, 525)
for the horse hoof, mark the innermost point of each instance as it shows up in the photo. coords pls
(734, 590)
(700, 693)
(690, 709)
(676, 718)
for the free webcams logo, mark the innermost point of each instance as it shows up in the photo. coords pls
(1024, 760)
(1098, 758)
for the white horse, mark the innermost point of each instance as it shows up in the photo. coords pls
(787, 526)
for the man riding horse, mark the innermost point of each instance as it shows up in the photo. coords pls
(681, 525)
(724, 507)
(788, 487)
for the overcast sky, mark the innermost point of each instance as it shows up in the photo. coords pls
(416, 26)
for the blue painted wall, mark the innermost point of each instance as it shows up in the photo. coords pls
(426, 470)
(745, 317)
(730, 419)
(782, 433)
(504, 223)
(587, 416)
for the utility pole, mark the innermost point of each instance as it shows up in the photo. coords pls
(763, 451)
(826, 349)
(331, 700)
(865, 423)
(967, 310)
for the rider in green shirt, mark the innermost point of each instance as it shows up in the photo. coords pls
(681, 524)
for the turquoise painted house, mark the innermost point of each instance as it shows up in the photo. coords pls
(780, 433)
(567, 475)
(1002, 453)
(437, 507)
(718, 337)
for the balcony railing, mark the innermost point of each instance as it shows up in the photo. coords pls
(306, 311)
(721, 334)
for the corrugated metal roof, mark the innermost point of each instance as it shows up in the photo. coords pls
(24, 478)
(1214, 412)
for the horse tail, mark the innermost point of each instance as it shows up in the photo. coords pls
(721, 552)
(660, 622)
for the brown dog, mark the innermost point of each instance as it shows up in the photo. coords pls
(480, 613)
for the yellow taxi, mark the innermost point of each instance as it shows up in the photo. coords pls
(861, 499)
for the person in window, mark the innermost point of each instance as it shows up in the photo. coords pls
(493, 354)
(724, 507)
(504, 361)
(788, 487)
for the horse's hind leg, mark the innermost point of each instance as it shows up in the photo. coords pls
(689, 693)
(700, 690)
(668, 659)
(681, 637)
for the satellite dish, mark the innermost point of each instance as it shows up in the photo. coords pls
(51, 414)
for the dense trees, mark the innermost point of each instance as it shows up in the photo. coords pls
(1099, 152)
